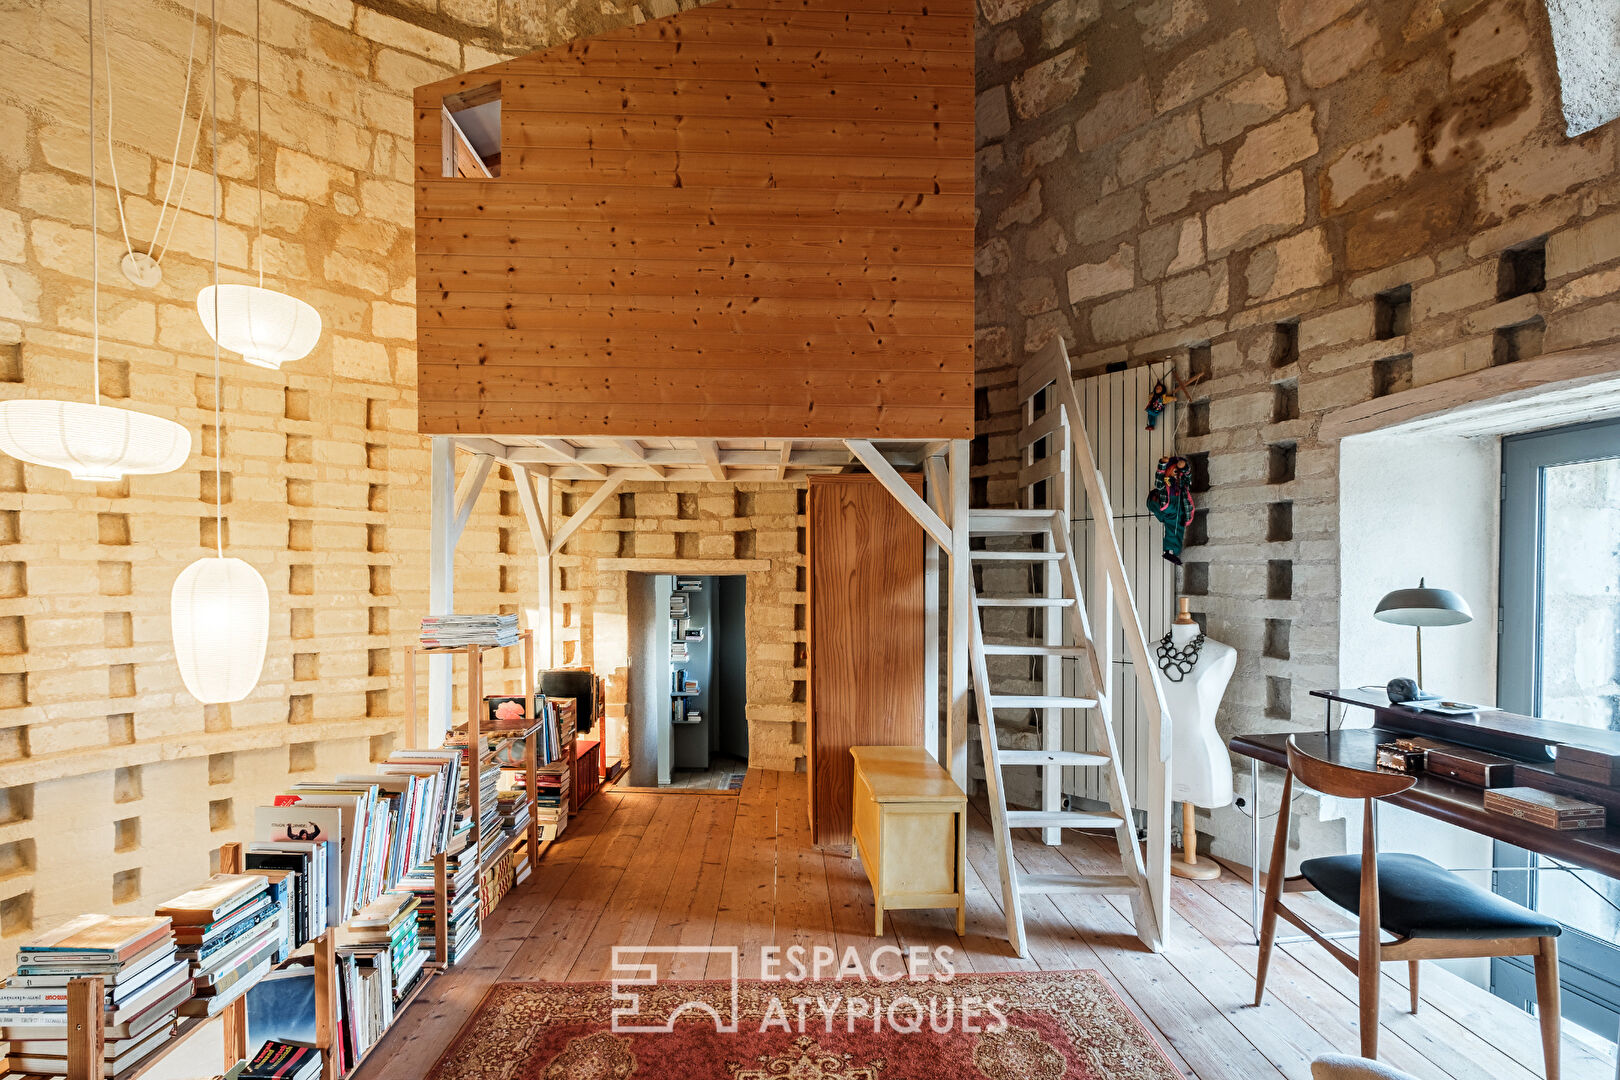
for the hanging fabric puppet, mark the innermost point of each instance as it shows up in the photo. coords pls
(1157, 400)
(1171, 502)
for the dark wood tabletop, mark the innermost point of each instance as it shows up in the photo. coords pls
(1459, 804)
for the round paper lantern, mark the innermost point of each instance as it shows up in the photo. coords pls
(92, 442)
(268, 328)
(220, 612)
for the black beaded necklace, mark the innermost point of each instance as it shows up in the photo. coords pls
(1176, 663)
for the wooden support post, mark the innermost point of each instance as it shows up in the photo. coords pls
(326, 1005)
(531, 751)
(86, 1029)
(475, 755)
(233, 1018)
(441, 577)
(441, 908)
(960, 613)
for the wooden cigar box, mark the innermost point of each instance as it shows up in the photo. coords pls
(1579, 763)
(1545, 809)
(1467, 766)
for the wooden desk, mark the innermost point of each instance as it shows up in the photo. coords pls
(910, 827)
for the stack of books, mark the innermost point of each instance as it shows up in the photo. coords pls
(550, 797)
(514, 807)
(230, 929)
(458, 631)
(280, 1061)
(387, 932)
(310, 870)
(144, 984)
(489, 777)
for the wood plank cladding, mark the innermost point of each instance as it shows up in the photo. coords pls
(753, 219)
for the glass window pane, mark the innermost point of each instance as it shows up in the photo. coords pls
(1580, 598)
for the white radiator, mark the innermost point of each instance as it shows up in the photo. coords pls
(1127, 454)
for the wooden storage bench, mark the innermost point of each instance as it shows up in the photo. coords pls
(910, 825)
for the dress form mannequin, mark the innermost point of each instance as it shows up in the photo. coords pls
(1194, 671)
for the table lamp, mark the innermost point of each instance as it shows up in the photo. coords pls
(1422, 607)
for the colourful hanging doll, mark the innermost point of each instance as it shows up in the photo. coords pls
(1156, 403)
(1171, 502)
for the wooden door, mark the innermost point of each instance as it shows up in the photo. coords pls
(866, 647)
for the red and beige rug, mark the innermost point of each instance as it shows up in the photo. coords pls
(1066, 1025)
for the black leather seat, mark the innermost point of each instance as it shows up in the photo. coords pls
(1419, 898)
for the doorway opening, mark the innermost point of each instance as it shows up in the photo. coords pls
(692, 734)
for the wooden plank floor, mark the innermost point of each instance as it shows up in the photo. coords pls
(638, 869)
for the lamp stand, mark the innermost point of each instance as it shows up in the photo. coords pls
(1419, 630)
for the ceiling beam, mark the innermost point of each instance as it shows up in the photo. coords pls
(787, 458)
(638, 454)
(710, 452)
(885, 473)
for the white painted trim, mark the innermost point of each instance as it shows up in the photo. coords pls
(472, 482)
(568, 528)
(442, 535)
(960, 618)
(903, 492)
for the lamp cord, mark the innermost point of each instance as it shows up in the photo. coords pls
(258, 143)
(219, 430)
(95, 223)
(112, 158)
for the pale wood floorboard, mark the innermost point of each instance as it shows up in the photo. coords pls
(638, 869)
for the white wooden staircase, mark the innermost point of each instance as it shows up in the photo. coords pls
(1061, 629)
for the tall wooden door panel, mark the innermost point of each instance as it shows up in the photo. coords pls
(866, 647)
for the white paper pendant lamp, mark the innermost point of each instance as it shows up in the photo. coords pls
(220, 613)
(268, 328)
(91, 442)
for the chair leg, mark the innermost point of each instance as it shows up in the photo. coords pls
(1547, 1003)
(1367, 976)
(1274, 886)
(1412, 979)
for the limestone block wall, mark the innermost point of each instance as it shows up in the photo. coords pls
(1310, 203)
(753, 528)
(116, 788)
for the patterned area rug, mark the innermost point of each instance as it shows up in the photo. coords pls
(1065, 1025)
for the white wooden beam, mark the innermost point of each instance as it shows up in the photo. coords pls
(932, 725)
(960, 614)
(568, 528)
(879, 466)
(442, 535)
(709, 450)
(787, 459)
(534, 495)
(472, 482)
(638, 455)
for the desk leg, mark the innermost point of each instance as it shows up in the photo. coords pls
(1254, 839)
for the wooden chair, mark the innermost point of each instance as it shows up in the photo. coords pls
(1432, 913)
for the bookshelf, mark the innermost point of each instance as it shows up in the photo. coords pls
(85, 1015)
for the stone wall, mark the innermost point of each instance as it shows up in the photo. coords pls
(753, 528)
(115, 786)
(1309, 204)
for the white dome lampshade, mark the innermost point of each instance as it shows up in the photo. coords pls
(91, 442)
(268, 328)
(220, 612)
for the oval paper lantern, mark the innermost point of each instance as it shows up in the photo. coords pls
(268, 328)
(91, 442)
(220, 612)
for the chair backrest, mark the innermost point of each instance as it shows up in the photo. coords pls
(1344, 781)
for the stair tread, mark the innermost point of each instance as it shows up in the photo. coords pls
(1017, 556)
(1034, 649)
(1073, 758)
(993, 511)
(1040, 701)
(1025, 601)
(1061, 819)
(1079, 883)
